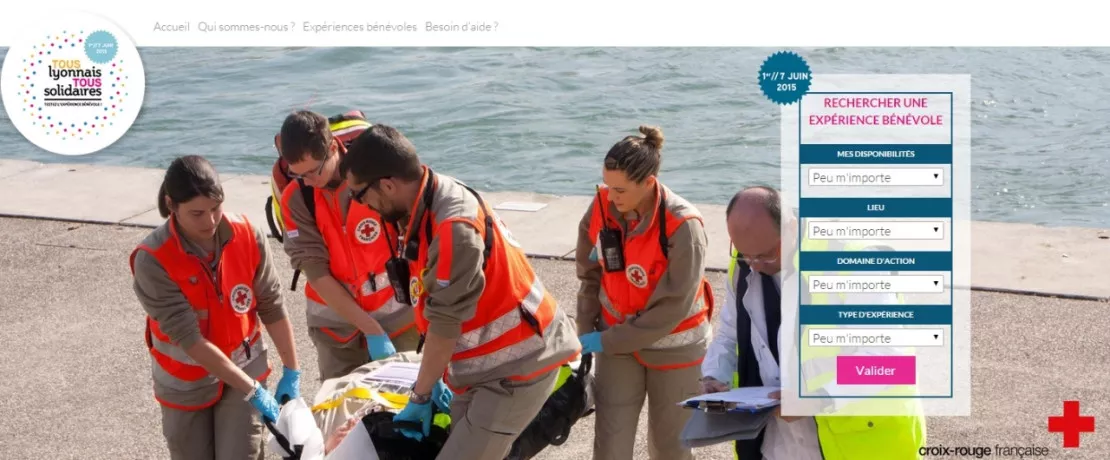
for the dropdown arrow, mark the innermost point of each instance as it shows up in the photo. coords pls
(936, 175)
(936, 336)
(936, 283)
(936, 229)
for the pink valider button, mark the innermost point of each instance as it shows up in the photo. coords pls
(876, 370)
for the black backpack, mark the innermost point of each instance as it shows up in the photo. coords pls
(551, 427)
(390, 444)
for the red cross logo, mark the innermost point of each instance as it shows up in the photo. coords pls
(241, 298)
(637, 276)
(1071, 424)
(367, 230)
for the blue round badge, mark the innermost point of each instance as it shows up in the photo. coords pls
(784, 77)
(101, 47)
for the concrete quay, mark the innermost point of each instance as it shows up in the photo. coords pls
(1006, 257)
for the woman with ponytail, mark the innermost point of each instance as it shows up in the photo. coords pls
(207, 283)
(644, 303)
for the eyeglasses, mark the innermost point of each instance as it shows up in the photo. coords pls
(760, 259)
(315, 172)
(756, 260)
(357, 196)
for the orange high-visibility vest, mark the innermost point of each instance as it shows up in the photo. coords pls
(225, 305)
(624, 294)
(514, 310)
(357, 251)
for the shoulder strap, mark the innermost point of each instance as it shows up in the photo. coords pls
(488, 222)
(661, 218)
(309, 197)
(278, 234)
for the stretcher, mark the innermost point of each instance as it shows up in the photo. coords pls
(351, 417)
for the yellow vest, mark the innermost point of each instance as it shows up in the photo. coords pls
(853, 437)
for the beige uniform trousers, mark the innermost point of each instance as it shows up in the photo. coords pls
(337, 359)
(487, 419)
(620, 385)
(229, 430)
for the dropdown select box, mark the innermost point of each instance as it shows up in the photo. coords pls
(871, 177)
(819, 229)
(895, 337)
(876, 284)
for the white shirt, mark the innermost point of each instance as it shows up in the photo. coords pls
(782, 440)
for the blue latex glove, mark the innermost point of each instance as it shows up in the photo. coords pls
(380, 346)
(419, 413)
(442, 396)
(591, 343)
(265, 403)
(289, 387)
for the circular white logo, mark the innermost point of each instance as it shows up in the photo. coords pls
(636, 275)
(241, 298)
(367, 230)
(73, 84)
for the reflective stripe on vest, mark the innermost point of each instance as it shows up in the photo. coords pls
(512, 319)
(624, 295)
(191, 375)
(683, 335)
(515, 310)
(225, 306)
(343, 130)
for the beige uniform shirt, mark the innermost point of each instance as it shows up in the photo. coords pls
(163, 301)
(672, 300)
(449, 305)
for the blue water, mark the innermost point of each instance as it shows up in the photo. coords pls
(541, 119)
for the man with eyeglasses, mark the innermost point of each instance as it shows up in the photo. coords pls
(745, 349)
(352, 312)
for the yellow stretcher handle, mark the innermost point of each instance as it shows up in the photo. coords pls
(390, 400)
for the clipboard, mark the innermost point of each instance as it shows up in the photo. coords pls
(737, 400)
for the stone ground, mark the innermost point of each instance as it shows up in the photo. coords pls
(76, 375)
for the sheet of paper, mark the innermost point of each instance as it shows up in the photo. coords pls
(526, 206)
(399, 373)
(744, 397)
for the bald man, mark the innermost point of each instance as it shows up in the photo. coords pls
(754, 220)
(747, 342)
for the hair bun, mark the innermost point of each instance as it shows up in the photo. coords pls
(653, 136)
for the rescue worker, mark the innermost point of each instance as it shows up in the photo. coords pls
(207, 282)
(745, 351)
(491, 330)
(644, 304)
(351, 312)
